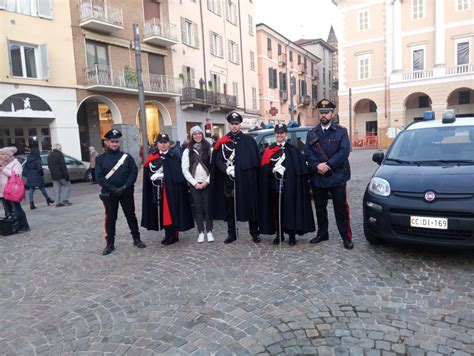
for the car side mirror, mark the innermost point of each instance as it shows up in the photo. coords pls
(378, 157)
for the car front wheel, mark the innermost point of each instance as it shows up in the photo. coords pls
(371, 237)
(88, 176)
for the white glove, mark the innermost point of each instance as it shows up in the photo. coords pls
(157, 175)
(230, 171)
(279, 169)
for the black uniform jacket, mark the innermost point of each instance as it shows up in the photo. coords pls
(178, 208)
(126, 175)
(296, 207)
(246, 177)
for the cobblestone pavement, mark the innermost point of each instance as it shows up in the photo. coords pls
(58, 294)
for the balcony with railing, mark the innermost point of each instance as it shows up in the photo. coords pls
(418, 74)
(302, 68)
(460, 69)
(124, 80)
(304, 100)
(98, 16)
(160, 33)
(282, 60)
(194, 97)
(283, 95)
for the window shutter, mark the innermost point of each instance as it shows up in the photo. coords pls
(275, 79)
(211, 45)
(218, 7)
(237, 57)
(43, 52)
(45, 8)
(196, 35)
(183, 30)
(3, 4)
(209, 5)
(191, 79)
(221, 46)
(185, 75)
(270, 75)
(9, 57)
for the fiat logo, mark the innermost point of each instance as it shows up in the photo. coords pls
(430, 196)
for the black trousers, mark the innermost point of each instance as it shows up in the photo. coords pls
(229, 204)
(341, 210)
(111, 209)
(202, 208)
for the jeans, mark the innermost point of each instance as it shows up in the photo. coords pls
(31, 193)
(202, 208)
(57, 190)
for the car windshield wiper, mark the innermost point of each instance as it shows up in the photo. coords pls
(450, 161)
(401, 161)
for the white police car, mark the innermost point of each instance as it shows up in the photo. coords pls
(423, 191)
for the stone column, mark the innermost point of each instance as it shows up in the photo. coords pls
(439, 68)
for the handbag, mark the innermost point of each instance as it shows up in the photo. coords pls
(14, 189)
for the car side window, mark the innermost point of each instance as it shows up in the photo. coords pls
(44, 160)
(300, 139)
(71, 161)
(267, 141)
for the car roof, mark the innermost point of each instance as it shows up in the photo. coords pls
(290, 129)
(460, 121)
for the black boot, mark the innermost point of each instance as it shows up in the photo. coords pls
(32, 206)
(319, 237)
(348, 244)
(139, 243)
(230, 239)
(292, 240)
(256, 239)
(110, 246)
(49, 201)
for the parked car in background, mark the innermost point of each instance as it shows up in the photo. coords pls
(77, 170)
(423, 191)
(265, 137)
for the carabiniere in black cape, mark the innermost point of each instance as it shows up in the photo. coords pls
(246, 179)
(297, 210)
(176, 190)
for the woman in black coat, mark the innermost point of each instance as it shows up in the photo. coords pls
(33, 171)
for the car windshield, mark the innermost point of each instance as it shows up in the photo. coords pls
(434, 145)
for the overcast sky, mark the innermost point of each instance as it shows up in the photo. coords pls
(297, 19)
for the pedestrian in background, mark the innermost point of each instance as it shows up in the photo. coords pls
(195, 164)
(33, 172)
(59, 176)
(10, 166)
(93, 156)
(327, 151)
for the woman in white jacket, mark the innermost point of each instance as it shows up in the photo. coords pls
(9, 165)
(195, 164)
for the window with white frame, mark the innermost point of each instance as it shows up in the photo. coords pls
(216, 45)
(28, 60)
(252, 60)
(250, 25)
(363, 20)
(462, 5)
(189, 33)
(363, 66)
(40, 8)
(233, 52)
(214, 6)
(254, 98)
(463, 51)
(418, 9)
(235, 91)
(231, 11)
(417, 58)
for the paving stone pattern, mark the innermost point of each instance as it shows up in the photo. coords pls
(59, 295)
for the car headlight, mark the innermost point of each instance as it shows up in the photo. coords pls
(379, 186)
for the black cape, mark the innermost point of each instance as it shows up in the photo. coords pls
(246, 178)
(297, 209)
(176, 193)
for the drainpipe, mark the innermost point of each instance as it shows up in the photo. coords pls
(242, 56)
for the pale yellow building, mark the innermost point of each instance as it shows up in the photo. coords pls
(398, 59)
(37, 75)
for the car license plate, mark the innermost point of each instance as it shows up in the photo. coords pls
(429, 223)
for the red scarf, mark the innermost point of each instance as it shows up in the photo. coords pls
(269, 152)
(222, 140)
(151, 157)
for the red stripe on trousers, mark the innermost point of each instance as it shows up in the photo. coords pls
(349, 232)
